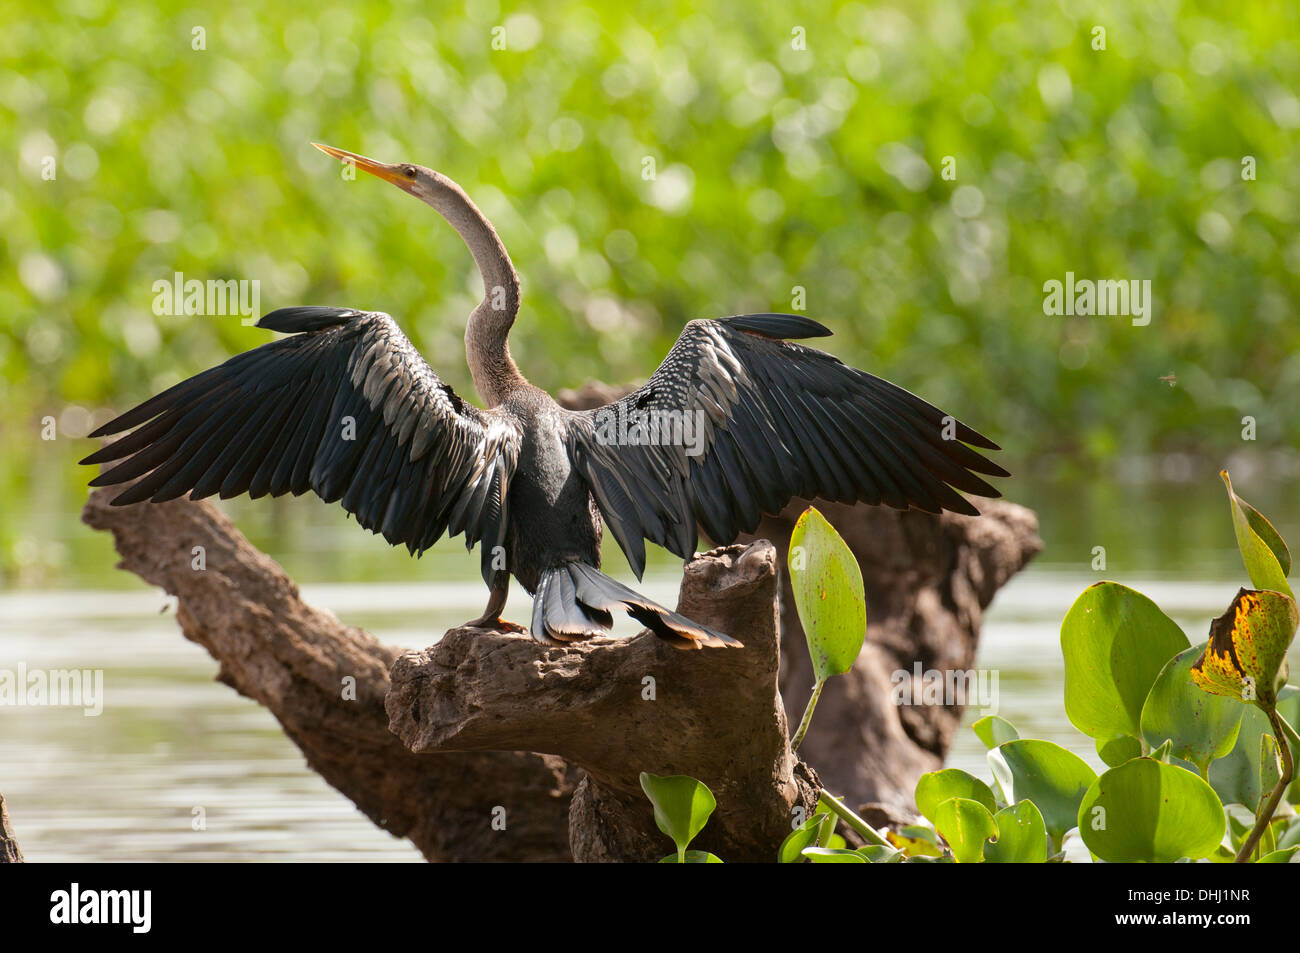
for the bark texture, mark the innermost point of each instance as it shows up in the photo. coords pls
(620, 707)
(9, 850)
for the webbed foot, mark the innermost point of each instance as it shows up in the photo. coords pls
(496, 624)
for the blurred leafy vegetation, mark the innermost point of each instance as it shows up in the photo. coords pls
(775, 167)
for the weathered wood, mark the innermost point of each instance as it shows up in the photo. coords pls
(10, 853)
(619, 707)
(305, 667)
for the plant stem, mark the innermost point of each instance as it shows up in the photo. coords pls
(871, 835)
(1288, 772)
(1290, 734)
(807, 716)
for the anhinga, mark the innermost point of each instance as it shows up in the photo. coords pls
(345, 406)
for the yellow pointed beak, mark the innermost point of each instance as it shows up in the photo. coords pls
(387, 172)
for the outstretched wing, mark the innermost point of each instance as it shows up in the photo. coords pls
(737, 421)
(346, 407)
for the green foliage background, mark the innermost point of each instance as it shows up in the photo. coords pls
(776, 167)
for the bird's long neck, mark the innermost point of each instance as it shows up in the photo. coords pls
(487, 350)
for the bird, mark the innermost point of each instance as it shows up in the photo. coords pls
(739, 419)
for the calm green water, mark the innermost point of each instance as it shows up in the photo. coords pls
(125, 785)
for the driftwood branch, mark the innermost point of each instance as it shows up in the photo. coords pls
(620, 707)
(9, 850)
(325, 682)
(446, 752)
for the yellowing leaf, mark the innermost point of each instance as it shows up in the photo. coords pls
(1245, 657)
(914, 846)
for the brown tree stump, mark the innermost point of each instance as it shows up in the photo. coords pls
(619, 707)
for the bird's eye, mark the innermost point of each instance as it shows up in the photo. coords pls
(408, 171)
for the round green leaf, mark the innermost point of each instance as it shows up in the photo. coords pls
(828, 594)
(936, 787)
(1222, 855)
(1201, 726)
(682, 805)
(1022, 836)
(1149, 811)
(876, 854)
(994, 730)
(805, 835)
(1235, 777)
(1115, 642)
(1117, 750)
(965, 825)
(1279, 856)
(829, 855)
(1045, 773)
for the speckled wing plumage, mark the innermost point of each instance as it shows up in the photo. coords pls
(778, 420)
(412, 462)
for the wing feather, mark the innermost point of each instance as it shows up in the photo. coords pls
(777, 420)
(344, 406)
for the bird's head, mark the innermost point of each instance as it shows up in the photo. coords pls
(500, 280)
(423, 183)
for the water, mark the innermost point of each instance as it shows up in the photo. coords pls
(1021, 642)
(125, 786)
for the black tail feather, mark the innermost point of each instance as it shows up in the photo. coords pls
(575, 601)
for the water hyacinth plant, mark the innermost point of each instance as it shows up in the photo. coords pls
(1198, 740)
